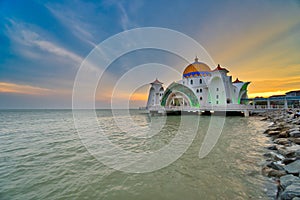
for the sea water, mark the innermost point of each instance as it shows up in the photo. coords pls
(42, 156)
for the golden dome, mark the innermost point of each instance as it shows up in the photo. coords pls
(192, 69)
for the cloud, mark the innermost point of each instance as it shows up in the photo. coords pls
(77, 20)
(269, 87)
(27, 42)
(57, 50)
(24, 89)
(125, 22)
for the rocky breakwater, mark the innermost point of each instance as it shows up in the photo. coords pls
(283, 155)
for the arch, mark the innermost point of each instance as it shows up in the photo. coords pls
(176, 88)
(197, 90)
(200, 81)
(191, 81)
(243, 93)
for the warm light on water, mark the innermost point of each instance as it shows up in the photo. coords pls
(42, 157)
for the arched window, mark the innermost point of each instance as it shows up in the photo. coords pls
(200, 98)
(200, 81)
(217, 89)
(200, 90)
(217, 96)
(217, 102)
(197, 90)
(191, 82)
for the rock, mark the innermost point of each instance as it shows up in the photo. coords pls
(275, 165)
(295, 140)
(273, 128)
(293, 129)
(288, 152)
(297, 153)
(296, 198)
(293, 168)
(288, 180)
(282, 141)
(291, 192)
(295, 134)
(296, 121)
(283, 134)
(276, 173)
(274, 156)
(266, 170)
(293, 151)
(287, 161)
(273, 132)
(272, 147)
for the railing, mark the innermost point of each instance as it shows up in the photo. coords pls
(229, 107)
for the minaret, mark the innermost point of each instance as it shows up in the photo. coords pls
(155, 94)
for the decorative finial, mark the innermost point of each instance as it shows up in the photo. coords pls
(196, 59)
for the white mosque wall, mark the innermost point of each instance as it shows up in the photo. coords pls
(155, 95)
(214, 88)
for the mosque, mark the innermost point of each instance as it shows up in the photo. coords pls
(201, 87)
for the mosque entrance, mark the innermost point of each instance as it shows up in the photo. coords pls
(178, 95)
(177, 99)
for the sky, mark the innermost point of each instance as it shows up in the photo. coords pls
(43, 44)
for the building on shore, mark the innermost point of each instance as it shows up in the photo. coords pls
(200, 87)
(295, 93)
(288, 100)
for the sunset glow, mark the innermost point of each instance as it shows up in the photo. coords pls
(44, 44)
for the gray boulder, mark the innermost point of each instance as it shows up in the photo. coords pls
(288, 180)
(293, 129)
(291, 192)
(293, 168)
(295, 140)
(292, 151)
(287, 161)
(276, 173)
(275, 165)
(282, 141)
(274, 156)
(295, 134)
(273, 147)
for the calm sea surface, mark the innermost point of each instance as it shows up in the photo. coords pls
(42, 157)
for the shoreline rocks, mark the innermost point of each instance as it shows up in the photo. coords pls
(283, 156)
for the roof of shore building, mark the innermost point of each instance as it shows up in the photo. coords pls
(196, 69)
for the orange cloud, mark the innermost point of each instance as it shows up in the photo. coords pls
(22, 89)
(139, 97)
(273, 86)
